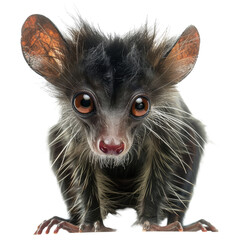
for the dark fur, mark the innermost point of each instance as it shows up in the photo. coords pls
(156, 177)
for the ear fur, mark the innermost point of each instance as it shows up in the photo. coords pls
(43, 46)
(183, 55)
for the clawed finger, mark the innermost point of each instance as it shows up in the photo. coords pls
(61, 224)
(201, 225)
(175, 226)
(41, 227)
(53, 222)
(66, 226)
(48, 224)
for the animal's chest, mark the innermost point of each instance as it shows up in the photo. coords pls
(123, 190)
(124, 193)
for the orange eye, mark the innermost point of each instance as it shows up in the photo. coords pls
(140, 107)
(83, 103)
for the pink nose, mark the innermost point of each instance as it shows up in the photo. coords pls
(111, 149)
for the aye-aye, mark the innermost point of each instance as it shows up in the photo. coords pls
(125, 137)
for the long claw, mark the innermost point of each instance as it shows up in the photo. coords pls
(66, 226)
(201, 225)
(71, 228)
(53, 222)
(175, 226)
(50, 223)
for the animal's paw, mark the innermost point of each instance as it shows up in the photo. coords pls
(202, 225)
(60, 224)
(95, 227)
(175, 226)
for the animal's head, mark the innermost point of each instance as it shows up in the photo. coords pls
(108, 86)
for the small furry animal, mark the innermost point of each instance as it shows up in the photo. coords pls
(125, 137)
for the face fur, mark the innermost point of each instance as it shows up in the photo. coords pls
(108, 87)
(111, 97)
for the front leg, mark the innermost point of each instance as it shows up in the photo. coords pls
(185, 180)
(83, 208)
(173, 193)
(76, 178)
(150, 212)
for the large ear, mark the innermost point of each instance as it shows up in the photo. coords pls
(43, 46)
(184, 53)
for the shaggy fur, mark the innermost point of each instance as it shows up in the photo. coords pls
(157, 175)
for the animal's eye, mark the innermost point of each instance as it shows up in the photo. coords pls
(83, 103)
(140, 107)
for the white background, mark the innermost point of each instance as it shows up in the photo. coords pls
(29, 192)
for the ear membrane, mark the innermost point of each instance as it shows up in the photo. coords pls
(43, 46)
(183, 55)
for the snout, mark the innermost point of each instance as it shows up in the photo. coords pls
(112, 139)
(111, 147)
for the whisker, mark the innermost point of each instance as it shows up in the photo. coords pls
(183, 179)
(166, 106)
(168, 145)
(168, 202)
(175, 135)
(177, 195)
(181, 124)
(59, 136)
(64, 148)
(59, 181)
